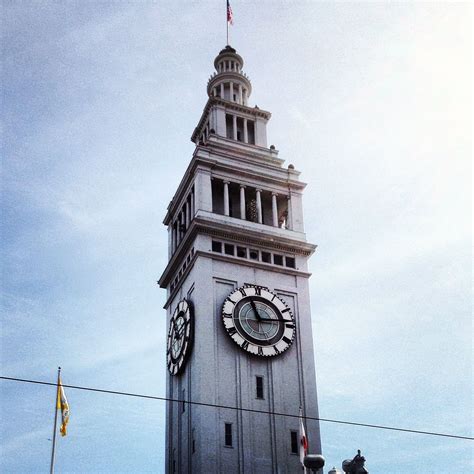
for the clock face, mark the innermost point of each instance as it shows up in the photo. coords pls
(179, 337)
(258, 320)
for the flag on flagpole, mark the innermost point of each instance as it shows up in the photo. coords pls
(230, 15)
(62, 405)
(303, 439)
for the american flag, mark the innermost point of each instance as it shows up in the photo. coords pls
(230, 15)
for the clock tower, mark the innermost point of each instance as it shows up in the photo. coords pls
(238, 309)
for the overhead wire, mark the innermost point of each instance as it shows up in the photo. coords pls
(248, 410)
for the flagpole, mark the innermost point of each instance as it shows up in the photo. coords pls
(53, 451)
(227, 19)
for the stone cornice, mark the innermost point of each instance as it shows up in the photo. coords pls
(178, 255)
(228, 147)
(236, 230)
(251, 233)
(172, 294)
(233, 260)
(268, 170)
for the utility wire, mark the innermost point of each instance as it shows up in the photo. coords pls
(249, 410)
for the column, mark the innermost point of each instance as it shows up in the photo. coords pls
(175, 236)
(202, 191)
(274, 210)
(226, 198)
(191, 205)
(289, 217)
(259, 205)
(178, 228)
(172, 238)
(242, 201)
(170, 241)
(245, 96)
(240, 94)
(231, 91)
(187, 213)
(246, 132)
(222, 90)
(234, 126)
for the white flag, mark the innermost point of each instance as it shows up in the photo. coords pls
(303, 439)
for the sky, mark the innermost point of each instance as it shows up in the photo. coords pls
(371, 101)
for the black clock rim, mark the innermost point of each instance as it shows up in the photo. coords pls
(258, 345)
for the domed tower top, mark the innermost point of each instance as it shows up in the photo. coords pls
(229, 82)
(228, 53)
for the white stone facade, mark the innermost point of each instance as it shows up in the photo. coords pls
(236, 219)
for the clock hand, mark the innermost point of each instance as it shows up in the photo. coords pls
(181, 332)
(254, 307)
(178, 332)
(277, 319)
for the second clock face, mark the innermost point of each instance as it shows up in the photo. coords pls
(258, 320)
(179, 337)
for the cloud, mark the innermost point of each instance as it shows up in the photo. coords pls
(16, 444)
(371, 105)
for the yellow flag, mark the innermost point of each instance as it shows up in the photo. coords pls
(62, 405)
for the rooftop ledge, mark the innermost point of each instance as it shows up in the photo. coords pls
(263, 154)
(263, 231)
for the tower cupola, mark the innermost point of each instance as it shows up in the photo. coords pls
(229, 82)
(227, 113)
